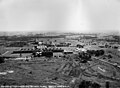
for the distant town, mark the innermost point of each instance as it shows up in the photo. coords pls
(77, 60)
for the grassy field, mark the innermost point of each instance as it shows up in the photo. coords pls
(32, 72)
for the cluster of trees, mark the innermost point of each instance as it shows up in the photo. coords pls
(86, 56)
(96, 53)
(88, 84)
(84, 84)
(2, 60)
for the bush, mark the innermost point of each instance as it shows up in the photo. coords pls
(85, 57)
(2, 60)
(88, 84)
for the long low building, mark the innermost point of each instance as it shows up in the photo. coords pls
(38, 50)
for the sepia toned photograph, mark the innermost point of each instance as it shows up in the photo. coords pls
(59, 44)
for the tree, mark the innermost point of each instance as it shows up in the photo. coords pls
(2, 60)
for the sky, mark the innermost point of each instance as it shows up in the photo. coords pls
(83, 16)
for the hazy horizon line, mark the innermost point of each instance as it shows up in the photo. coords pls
(39, 32)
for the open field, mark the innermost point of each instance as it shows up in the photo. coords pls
(32, 72)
